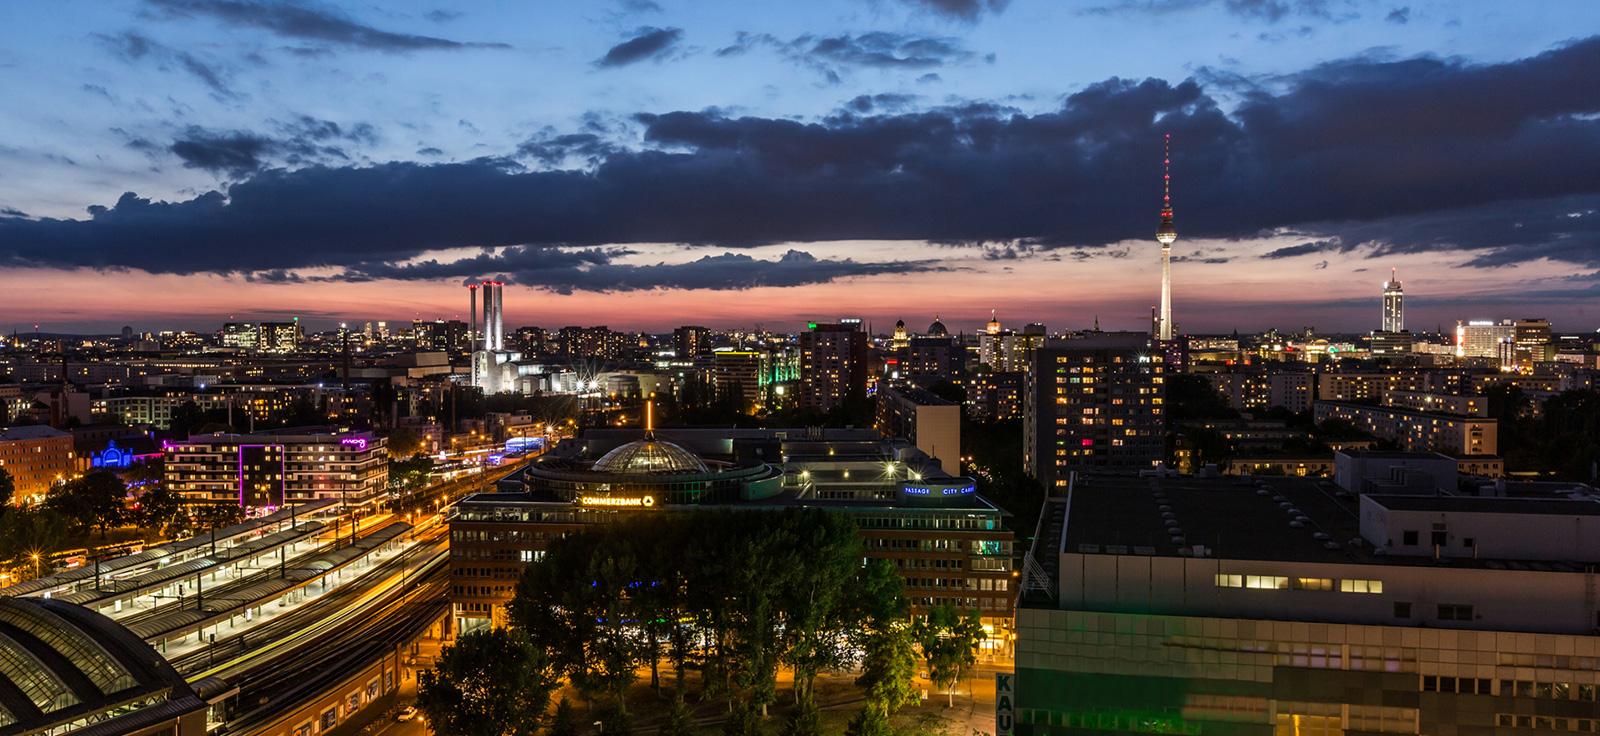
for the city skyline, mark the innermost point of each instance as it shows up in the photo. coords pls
(647, 165)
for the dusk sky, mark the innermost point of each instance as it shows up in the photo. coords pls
(643, 164)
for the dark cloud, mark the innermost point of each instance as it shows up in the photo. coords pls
(641, 6)
(234, 153)
(1399, 15)
(306, 23)
(132, 47)
(835, 55)
(1305, 249)
(429, 151)
(886, 102)
(443, 16)
(594, 269)
(968, 10)
(554, 150)
(302, 141)
(1359, 158)
(647, 43)
(10, 212)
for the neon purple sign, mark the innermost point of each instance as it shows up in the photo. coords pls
(360, 443)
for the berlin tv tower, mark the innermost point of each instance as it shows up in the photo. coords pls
(1166, 234)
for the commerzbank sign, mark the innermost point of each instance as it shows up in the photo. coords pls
(625, 501)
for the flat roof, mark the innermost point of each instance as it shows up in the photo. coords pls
(1495, 505)
(1235, 520)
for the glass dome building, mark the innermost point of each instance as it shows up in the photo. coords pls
(650, 456)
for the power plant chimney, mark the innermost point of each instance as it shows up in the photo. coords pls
(472, 309)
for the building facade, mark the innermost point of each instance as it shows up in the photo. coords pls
(37, 457)
(1418, 431)
(1094, 402)
(1282, 631)
(833, 365)
(269, 470)
(931, 423)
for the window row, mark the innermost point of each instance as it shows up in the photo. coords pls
(1548, 723)
(1279, 582)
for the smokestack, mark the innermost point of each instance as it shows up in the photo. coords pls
(499, 316)
(472, 309)
(488, 315)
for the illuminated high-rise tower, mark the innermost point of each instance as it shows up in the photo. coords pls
(1394, 310)
(1166, 234)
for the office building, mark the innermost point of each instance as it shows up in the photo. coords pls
(950, 545)
(1394, 311)
(241, 335)
(1531, 338)
(736, 372)
(931, 423)
(279, 337)
(1418, 431)
(833, 365)
(447, 335)
(1093, 402)
(271, 469)
(1389, 344)
(37, 457)
(1481, 338)
(1226, 608)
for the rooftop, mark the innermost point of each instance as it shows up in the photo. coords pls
(60, 663)
(1269, 518)
(31, 432)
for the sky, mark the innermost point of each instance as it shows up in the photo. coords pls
(643, 164)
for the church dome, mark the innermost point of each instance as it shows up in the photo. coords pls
(937, 329)
(650, 456)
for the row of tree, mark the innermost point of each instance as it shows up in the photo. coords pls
(737, 595)
(96, 502)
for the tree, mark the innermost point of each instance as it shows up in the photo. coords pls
(489, 683)
(158, 508)
(888, 667)
(743, 721)
(677, 721)
(405, 442)
(187, 419)
(565, 720)
(411, 474)
(26, 532)
(869, 722)
(96, 500)
(950, 645)
(8, 489)
(805, 720)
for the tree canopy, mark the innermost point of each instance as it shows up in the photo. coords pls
(737, 594)
(490, 683)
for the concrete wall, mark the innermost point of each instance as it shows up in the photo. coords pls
(1510, 600)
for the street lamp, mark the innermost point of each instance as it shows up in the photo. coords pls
(36, 564)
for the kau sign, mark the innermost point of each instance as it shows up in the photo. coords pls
(1005, 703)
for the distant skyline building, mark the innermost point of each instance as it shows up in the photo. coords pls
(1394, 311)
(1166, 235)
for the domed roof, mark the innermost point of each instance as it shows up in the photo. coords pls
(899, 323)
(650, 455)
(937, 329)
